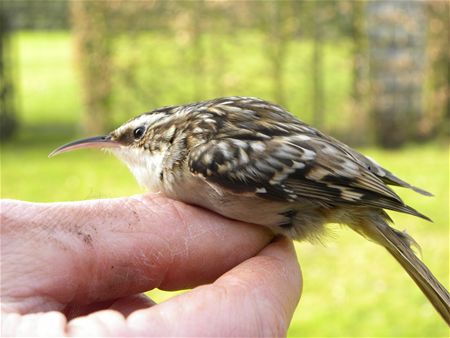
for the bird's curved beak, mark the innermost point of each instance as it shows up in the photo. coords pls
(90, 142)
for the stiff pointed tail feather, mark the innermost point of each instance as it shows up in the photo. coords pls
(399, 245)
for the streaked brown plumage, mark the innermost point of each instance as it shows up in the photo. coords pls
(251, 160)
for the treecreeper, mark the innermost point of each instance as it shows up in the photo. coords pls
(235, 155)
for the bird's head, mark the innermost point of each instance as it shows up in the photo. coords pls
(140, 142)
(146, 131)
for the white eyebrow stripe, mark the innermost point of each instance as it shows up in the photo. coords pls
(143, 120)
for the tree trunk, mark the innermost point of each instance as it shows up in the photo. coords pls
(437, 119)
(397, 41)
(317, 67)
(277, 26)
(93, 39)
(359, 76)
(198, 61)
(8, 118)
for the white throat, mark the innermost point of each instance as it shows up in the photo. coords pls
(145, 166)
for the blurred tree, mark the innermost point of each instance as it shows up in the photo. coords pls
(8, 117)
(397, 43)
(220, 30)
(317, 64)
(277, 23)
(37, 14)
(94, 45)
(359, 76)
(437, 119)
(197, 13)
(173, 52)
(137, 29)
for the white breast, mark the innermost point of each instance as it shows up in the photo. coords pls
(145, 166)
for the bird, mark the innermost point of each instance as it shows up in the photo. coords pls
(253, 161)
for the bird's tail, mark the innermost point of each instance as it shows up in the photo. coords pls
(399, 245)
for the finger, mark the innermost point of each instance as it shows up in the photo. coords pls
(92, 251)
(49, 324)
(125, 306)
(130, 304)
(256, 298)
(76, 310)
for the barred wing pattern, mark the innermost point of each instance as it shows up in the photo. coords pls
(291, 161)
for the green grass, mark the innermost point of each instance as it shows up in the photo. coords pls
(49, 91)
(351, 286)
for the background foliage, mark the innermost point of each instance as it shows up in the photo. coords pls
(84, 67)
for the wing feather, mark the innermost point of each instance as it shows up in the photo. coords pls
(262, 149)
(290, 168)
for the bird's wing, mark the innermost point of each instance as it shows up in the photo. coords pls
(385, 175)
(290, 168)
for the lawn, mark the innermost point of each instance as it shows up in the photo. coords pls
(351, 286)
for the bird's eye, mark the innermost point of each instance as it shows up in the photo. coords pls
(138, 132)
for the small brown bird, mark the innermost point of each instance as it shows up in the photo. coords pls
(253, 161)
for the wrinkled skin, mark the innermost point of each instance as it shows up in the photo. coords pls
(79, 268)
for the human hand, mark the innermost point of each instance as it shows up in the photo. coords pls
(79, 268)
